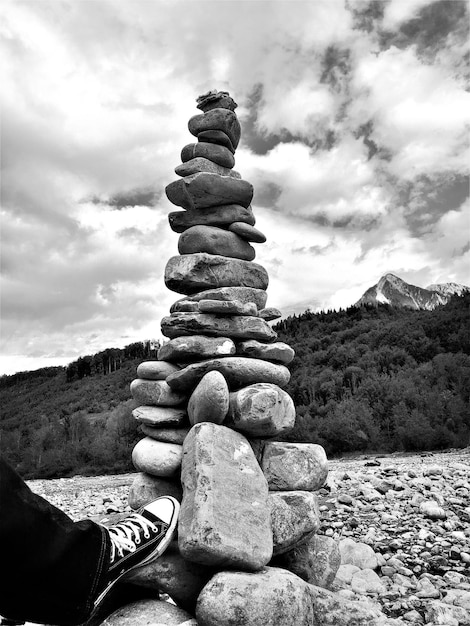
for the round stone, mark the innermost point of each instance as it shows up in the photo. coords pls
(247, 231)
(159, 415)
(217, 119)
(170, 435)
(196, 347)
(218, 137)
(146, 488)
(210, 400)
(200, 164)
(204, 189)
(270, 314)
(277, 352)
(215, 240)
(242, 294)
(157, 457)
(218, 154)
(155, 393)
(155, 370)
(222, 216)
(228, 307)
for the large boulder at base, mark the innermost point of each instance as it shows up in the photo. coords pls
(157, 457)
(181, 579)
(154, 612)
(191, 273)
(202, 190)
(200, 164)
(215, 240)
(160, 415)
(261, 410)
(215, 216)
(276, 597)
(196, 347)
(155, 370)
(155, 393)
(217, 119)
(316, 560)
(357, 553)
(146, 488)
(225, 518)
(170, 435)
(242, 294)
(237, 371)
(219, 154)
(232, 326)
(277, 352)
(209, 401)
(294, 518)
(292, 466)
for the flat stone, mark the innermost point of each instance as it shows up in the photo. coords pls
(172, 574)
(237, 371)
(367, 581)
(217, 119)
(357, 553)
(270, 314)
(277, 352)
(157, 457)
(218, 137)
(292, 466)
(191, 273)
(247, 231)
(216, 99)
(206, 190)
(316, 560)
(261, 410)
(210, 399)
(214, 240)
(225, 517)
(155, 370)
(223, 215)
(218, 154)
(185, 306)
(170, 435)
(228, 307)
(294, 518)
(155, 612)
(241, 294)
(276, 596)
(155, 393)
(146, 488)
(200, 164)
(160, 415)
(233, 326)
(196, 347)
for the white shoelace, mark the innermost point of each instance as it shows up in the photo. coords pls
(126, 535)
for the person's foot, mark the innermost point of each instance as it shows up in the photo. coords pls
(139, 539)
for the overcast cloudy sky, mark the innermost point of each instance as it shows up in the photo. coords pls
(354, 134)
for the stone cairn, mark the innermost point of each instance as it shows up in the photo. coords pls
(210, 406)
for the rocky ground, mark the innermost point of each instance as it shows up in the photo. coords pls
(412, 510)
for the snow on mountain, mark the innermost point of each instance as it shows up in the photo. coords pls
(394, 291)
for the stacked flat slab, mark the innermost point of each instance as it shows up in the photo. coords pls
(212, 403)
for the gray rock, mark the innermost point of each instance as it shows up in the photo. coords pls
(215, 240)
(247, 231)
(261, 410)
(191, 273)
(155, 393)
(278, 597)
(294, 518)
(170, 435)
(155, 370)
(200, 164)
(185, 306)
(237, 371)
(217, 119)
(228, 307)
(146, 488)
(218, 154)
(210, 399)
(160, 415)
(316, 560)
(215, 99)
(292, 466)
(277, 352)
(217, 137)
(357, 553)
(215, 216)
(242, 294)
(269, 314)
(154, 612)
(440, 613)
(182, 580)
(232, 326)
(195, 347)
(224, 518)
(157, 457)
(202, 190)
(366, 581)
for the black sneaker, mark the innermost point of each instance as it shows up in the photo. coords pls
(139, 539)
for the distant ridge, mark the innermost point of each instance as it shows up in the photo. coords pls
(395, 291)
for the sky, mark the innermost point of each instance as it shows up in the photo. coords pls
(354, 117)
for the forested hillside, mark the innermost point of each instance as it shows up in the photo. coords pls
(381, 378)
(369, 378)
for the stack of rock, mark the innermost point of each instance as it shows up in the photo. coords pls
(212, 403)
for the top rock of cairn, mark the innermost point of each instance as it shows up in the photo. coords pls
(216, 100)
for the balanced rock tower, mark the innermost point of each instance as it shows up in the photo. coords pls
(212, 403)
